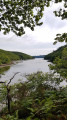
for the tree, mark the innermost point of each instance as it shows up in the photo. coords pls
(34, 99)
(61, 38)
(62, 11)
(5, 92)
(17, 14)
(60, 64)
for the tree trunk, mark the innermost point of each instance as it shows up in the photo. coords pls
(8, 99)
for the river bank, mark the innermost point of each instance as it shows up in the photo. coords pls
(9, 64)
(5, 65)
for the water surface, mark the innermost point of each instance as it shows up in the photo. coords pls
(25, 67)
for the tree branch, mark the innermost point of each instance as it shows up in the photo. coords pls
(12, 78)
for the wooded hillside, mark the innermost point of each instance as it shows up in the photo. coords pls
(58, 53)
(7, 57)
(23, 56)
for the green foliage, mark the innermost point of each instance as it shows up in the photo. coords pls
(17, 14)
(62, 11)
(61, 38)
(9, 117)
(4, 69)
(3, 93)
(60, 64)
(7, 57)
(35, 99)
(58, 53)
(23, 56)
(4, 59)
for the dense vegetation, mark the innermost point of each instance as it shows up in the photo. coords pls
(4, 69)
(58, 53)
(7, 57)
(23, 56)
(59, 59)
(35, 99)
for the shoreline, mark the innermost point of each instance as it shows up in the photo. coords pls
(5, 65)
(9, 64)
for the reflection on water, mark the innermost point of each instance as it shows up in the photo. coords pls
(25, 67)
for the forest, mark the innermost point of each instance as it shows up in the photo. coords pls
(7, 57)
(57, 53)
(59, 59)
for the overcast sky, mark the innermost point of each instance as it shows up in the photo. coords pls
(40, 41)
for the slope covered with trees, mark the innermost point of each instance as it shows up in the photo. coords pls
(23, 56)
(58, 53)
(7, 57)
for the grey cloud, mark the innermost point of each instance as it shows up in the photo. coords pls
(21, 46)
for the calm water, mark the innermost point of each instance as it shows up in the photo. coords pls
(25, 67)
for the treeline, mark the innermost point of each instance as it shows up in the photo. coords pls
(39, 56)
(58, 53)
(7, 57)
(23, 56)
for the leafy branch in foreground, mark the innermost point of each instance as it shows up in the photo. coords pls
(15, 15)
(62, 12)
(61, 38)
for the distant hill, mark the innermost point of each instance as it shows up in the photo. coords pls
(23, 56)
(39, 56)
(7, 57)
(54, 54)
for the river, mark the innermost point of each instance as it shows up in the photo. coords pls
(25, 67)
